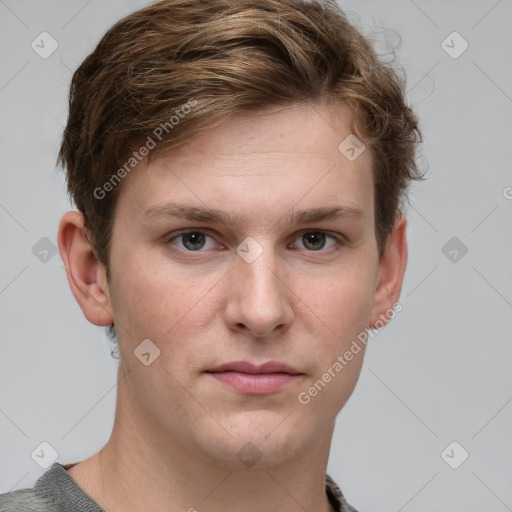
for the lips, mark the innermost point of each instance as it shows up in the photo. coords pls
(250, 379)
(247, 367)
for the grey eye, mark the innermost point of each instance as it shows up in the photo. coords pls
(192, 241)
(314, 240)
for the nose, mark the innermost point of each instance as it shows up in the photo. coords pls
(259, 299)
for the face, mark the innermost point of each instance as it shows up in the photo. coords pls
(256, 283)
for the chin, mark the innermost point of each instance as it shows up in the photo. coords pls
(253, 446)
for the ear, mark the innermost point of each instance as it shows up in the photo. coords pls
(86, 275)
(391, 274)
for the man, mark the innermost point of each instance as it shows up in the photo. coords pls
(238, 169)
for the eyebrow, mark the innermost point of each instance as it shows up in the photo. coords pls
(213, 215)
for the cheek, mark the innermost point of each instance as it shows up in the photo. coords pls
(339, 312)
(340, 304)
(149, 303)
(156, 305)
(157, 300)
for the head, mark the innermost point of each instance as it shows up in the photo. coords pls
(229, 118)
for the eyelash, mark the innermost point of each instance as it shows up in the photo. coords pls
(339, 239)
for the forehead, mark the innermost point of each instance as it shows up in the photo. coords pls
(258, 164)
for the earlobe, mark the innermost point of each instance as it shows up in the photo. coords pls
(86, 275)
(391, 274)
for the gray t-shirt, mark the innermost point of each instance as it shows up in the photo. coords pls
(56, 491)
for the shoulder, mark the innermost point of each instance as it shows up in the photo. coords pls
(54, 491)
(24, 500)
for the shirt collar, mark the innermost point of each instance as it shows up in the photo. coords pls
(68, 485)
(336, 496)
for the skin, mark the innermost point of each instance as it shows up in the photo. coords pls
(177, 430)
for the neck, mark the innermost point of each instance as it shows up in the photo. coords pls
(142, 468)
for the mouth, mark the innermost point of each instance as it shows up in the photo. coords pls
(251, 379)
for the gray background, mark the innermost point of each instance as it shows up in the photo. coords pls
(439, 372)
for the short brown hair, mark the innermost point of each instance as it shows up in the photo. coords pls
(227, 56)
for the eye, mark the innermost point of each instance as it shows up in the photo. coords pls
(195, 240)
(315, 240)
(192, 240)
